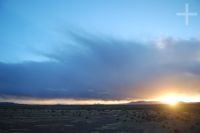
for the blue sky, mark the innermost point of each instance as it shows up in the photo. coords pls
(39, 25)
(89, 49)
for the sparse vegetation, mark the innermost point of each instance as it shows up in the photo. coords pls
(99, 118)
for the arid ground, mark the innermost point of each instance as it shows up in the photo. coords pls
(184, 118)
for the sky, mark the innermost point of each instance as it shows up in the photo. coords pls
(116, 50)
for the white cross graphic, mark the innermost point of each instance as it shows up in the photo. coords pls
(186, 14)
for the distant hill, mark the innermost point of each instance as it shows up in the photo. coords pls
(8, 104)
(143, 103)
(130, 103)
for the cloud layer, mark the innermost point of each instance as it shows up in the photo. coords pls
(100, 67)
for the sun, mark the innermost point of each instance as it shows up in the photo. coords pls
(171, 100)
(174, 99)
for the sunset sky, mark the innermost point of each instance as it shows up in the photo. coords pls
(75, 51)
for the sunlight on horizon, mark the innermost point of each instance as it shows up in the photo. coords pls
(174, 99)
(170, 99)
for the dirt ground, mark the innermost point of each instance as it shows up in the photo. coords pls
(99, 118)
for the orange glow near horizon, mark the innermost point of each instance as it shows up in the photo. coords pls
(169, 98)
(53, 101)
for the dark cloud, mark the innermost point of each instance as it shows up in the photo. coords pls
(94, 67)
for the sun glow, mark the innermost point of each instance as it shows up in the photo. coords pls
(171, 100)
(174, 99)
